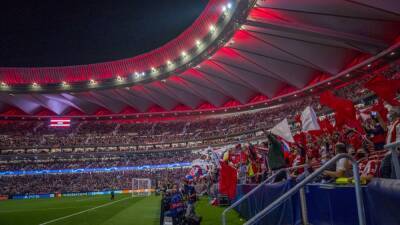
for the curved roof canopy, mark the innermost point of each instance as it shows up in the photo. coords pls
(233, 54)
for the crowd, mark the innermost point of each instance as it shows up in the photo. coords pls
(253, 163)
(83, 182)
(80, 161)
(162, 135)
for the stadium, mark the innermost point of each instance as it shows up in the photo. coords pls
(271, 112)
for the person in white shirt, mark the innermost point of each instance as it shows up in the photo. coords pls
(343, 165)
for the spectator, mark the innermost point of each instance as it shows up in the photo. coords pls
(343, 165)
(276, 160)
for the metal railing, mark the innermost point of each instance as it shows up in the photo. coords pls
(395, 156)
(309, 178)
(270, 178)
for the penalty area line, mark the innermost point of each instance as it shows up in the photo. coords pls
(87, 210)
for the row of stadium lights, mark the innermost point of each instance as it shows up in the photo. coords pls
(119, 78)
(140, 75)
(137, 75)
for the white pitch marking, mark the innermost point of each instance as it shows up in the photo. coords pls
(87, 210)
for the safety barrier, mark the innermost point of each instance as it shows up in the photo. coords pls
(270, 178)
(308, 179)
(395, 157)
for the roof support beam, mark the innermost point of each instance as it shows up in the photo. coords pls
(320, 32)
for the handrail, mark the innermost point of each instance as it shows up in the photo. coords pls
(395, 157)
(292, 191)
(255, 189)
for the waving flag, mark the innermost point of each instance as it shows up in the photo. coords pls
(228, 180)
(282, 130)
(345, 112)
(309, 120)
(385, 89)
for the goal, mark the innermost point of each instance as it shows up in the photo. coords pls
(141, 187)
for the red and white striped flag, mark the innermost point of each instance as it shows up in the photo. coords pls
(60, 122)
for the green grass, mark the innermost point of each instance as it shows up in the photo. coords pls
(212, 214)
(136, 211)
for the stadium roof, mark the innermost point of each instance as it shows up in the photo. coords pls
(236, 53)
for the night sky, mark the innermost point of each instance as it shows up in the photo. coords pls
(62, 32)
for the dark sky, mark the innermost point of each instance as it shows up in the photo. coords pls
(72, 32)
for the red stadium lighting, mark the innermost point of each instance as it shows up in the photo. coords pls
(92, 82)
(198, 43)
(212, 28)
(119, 79)
(223, 8)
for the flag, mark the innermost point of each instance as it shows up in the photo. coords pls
(60, 122)
(285, 146)
(300, 138)
(326, 125)
(380, 108)
(282, 130)
(228, 180)
(385, 89)
(345, 113)
(309, 120)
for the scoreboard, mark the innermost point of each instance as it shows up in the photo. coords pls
(60, 122)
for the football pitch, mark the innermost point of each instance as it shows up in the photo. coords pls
(99, 210)
(84, 210)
